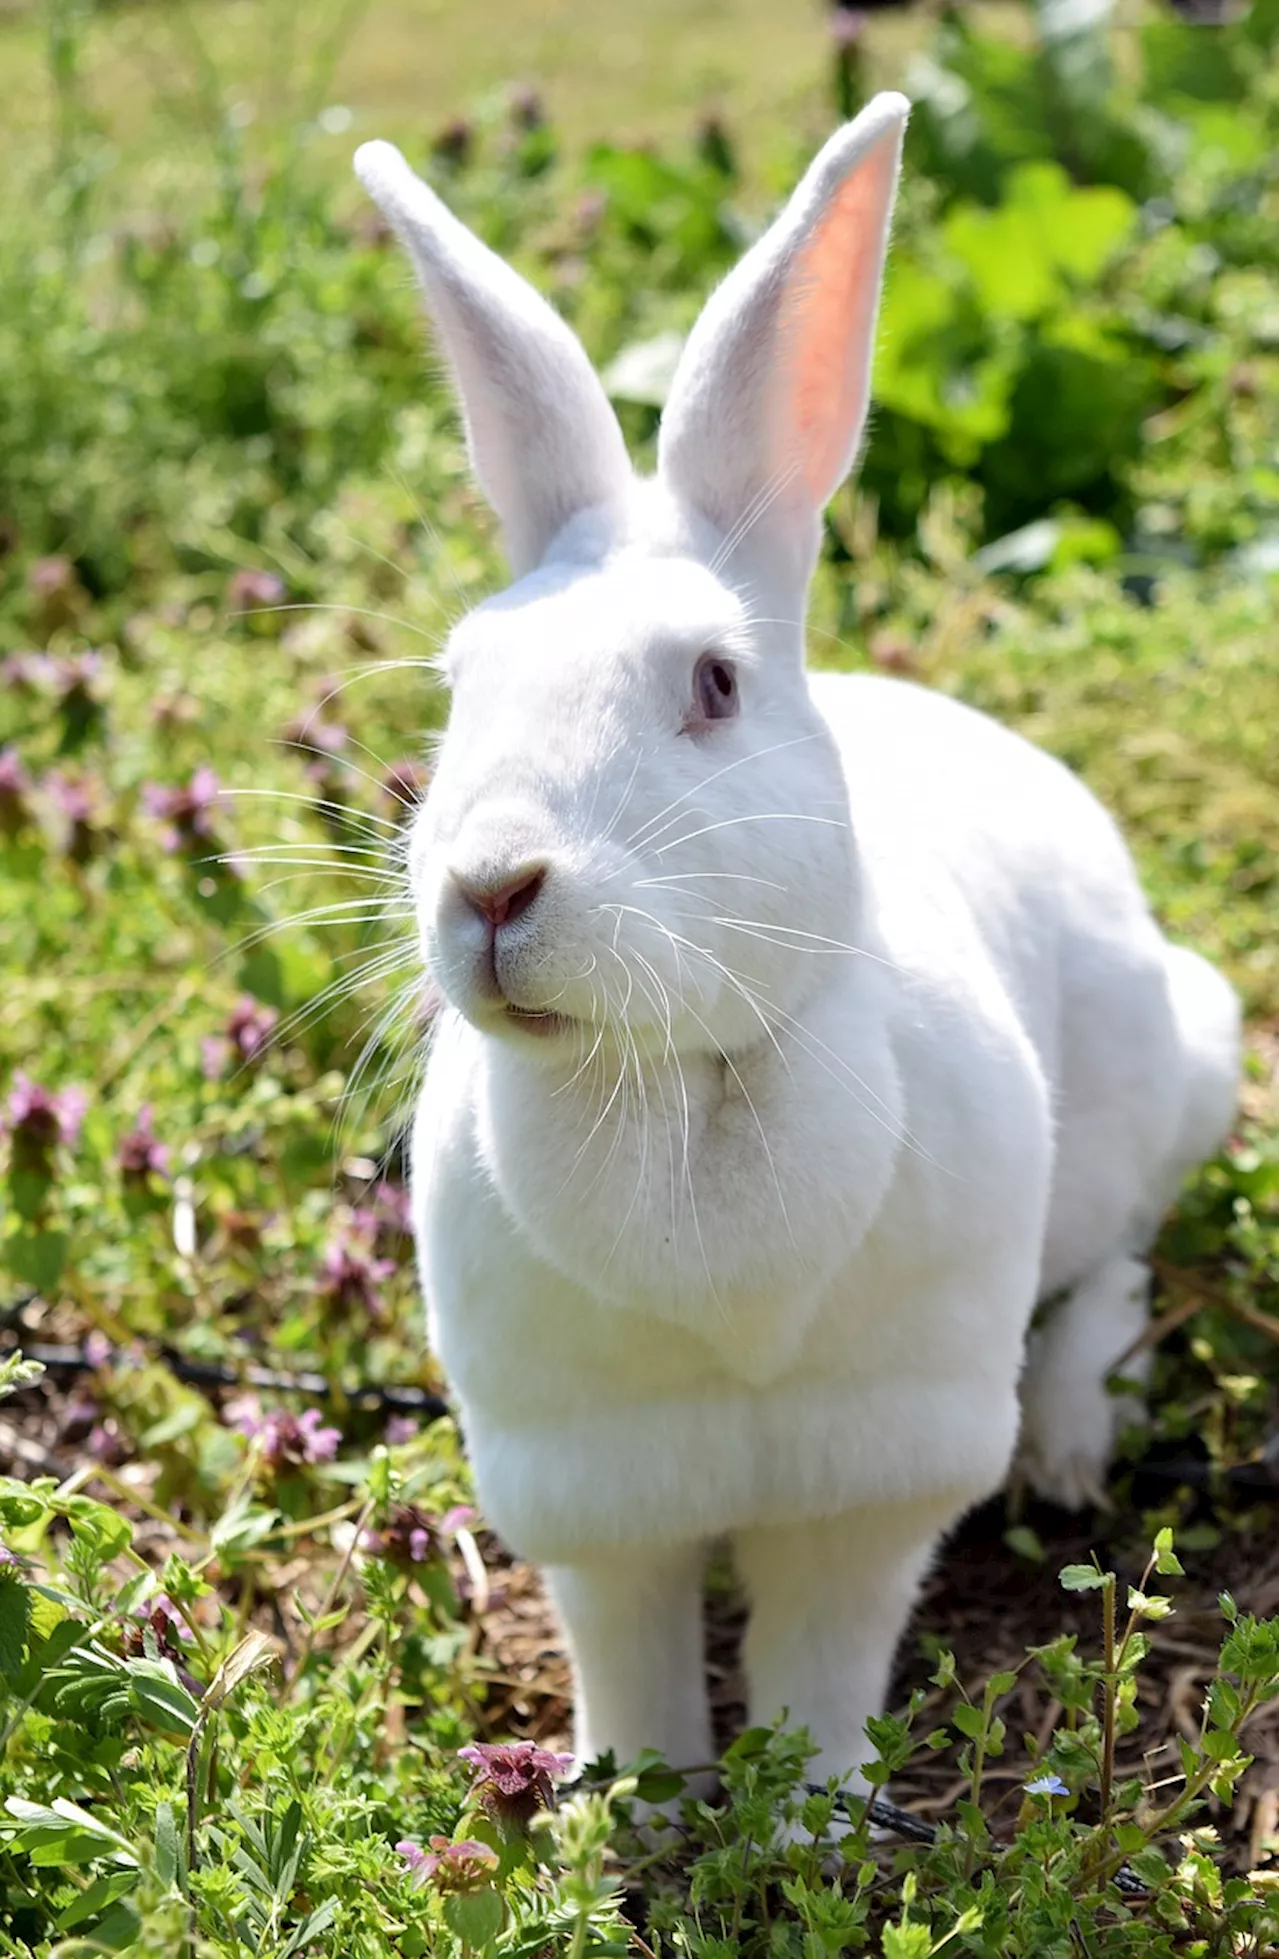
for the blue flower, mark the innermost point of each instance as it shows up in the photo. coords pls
(1047, 1785)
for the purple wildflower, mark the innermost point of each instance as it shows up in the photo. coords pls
(26, 669)
(512, 1779)
(846, 24)
(455, 142)
(458, 1867)
(97, 1348)
(399, 1429)
(106, 1443)
(316, 737)
(49, 577)
(214, 1053)
(351, 1270)
(390, 1214)
(403, 785)
(589, 211)
(525, 106)
(1047, 1785)
(15, 787)
(250, 1026)
(284, 1440)
(249, 591)
(75, 800)
(184, 809)
(141, 1154)
(159, 1618)
(55, 592)
(37, 1120)
(407, 1538)
(161, 1611)
(72, 674)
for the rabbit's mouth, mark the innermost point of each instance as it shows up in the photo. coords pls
(542, 1024)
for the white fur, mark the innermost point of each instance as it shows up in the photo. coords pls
(870, 1039)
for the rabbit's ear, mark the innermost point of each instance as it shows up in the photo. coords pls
(770, 396)
(544, 441)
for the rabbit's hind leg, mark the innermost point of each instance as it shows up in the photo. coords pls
(1070, 1420)
(633, 1619)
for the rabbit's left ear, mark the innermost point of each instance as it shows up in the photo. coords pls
(770, 396)
(544, 442)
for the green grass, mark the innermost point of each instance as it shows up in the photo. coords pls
(231, 478)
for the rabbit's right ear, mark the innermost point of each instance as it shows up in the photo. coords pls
(544, 442)
(770, 397)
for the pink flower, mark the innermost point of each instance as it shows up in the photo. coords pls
(408, 1537)
(214, 1053)
(27, 670)
(38, 1119)
(392, 1213)
(97, 1348)
(250, 1026)
(404, 785)
(250, 591)
(49, 577)
(140, 1154)
(76, 802)
(399, 1429)
(512, 1779)
(463, 1866)
(847, 23)
(245, 1038)
(284, 1440)
(184, 809)
(106, 1444)
(350, 1269)
(15, 787)
(321, 739)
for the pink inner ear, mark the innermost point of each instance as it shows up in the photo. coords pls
(828, 321)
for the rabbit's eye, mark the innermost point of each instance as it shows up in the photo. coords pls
(715, 690)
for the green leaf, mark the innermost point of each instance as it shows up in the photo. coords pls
(476, 1917)
(1166, 1563)
(1081, 1578)
(37, 1257)
(15, 1622)
(907, 1940)
(1024, 1543)
(969, 1720)
(103, 1892)
(168, 1847)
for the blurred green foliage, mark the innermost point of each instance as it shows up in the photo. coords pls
(235, 522)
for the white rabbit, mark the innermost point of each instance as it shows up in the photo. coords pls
(800, 1034)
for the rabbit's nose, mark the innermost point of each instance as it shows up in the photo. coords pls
(501, 901)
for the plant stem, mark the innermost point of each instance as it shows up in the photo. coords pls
(1110, 1692)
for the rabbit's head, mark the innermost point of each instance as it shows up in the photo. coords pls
(637, 829)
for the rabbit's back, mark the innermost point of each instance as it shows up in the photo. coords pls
(956, 816)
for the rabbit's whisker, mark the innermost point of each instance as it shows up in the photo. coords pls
(645, 835)
(351, 612)
(357, 818)
(760, 816)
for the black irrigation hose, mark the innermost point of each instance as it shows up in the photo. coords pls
(394, 1399)
(403, 1400)
(887, 1816)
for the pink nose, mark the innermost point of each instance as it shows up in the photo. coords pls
(501, 903)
